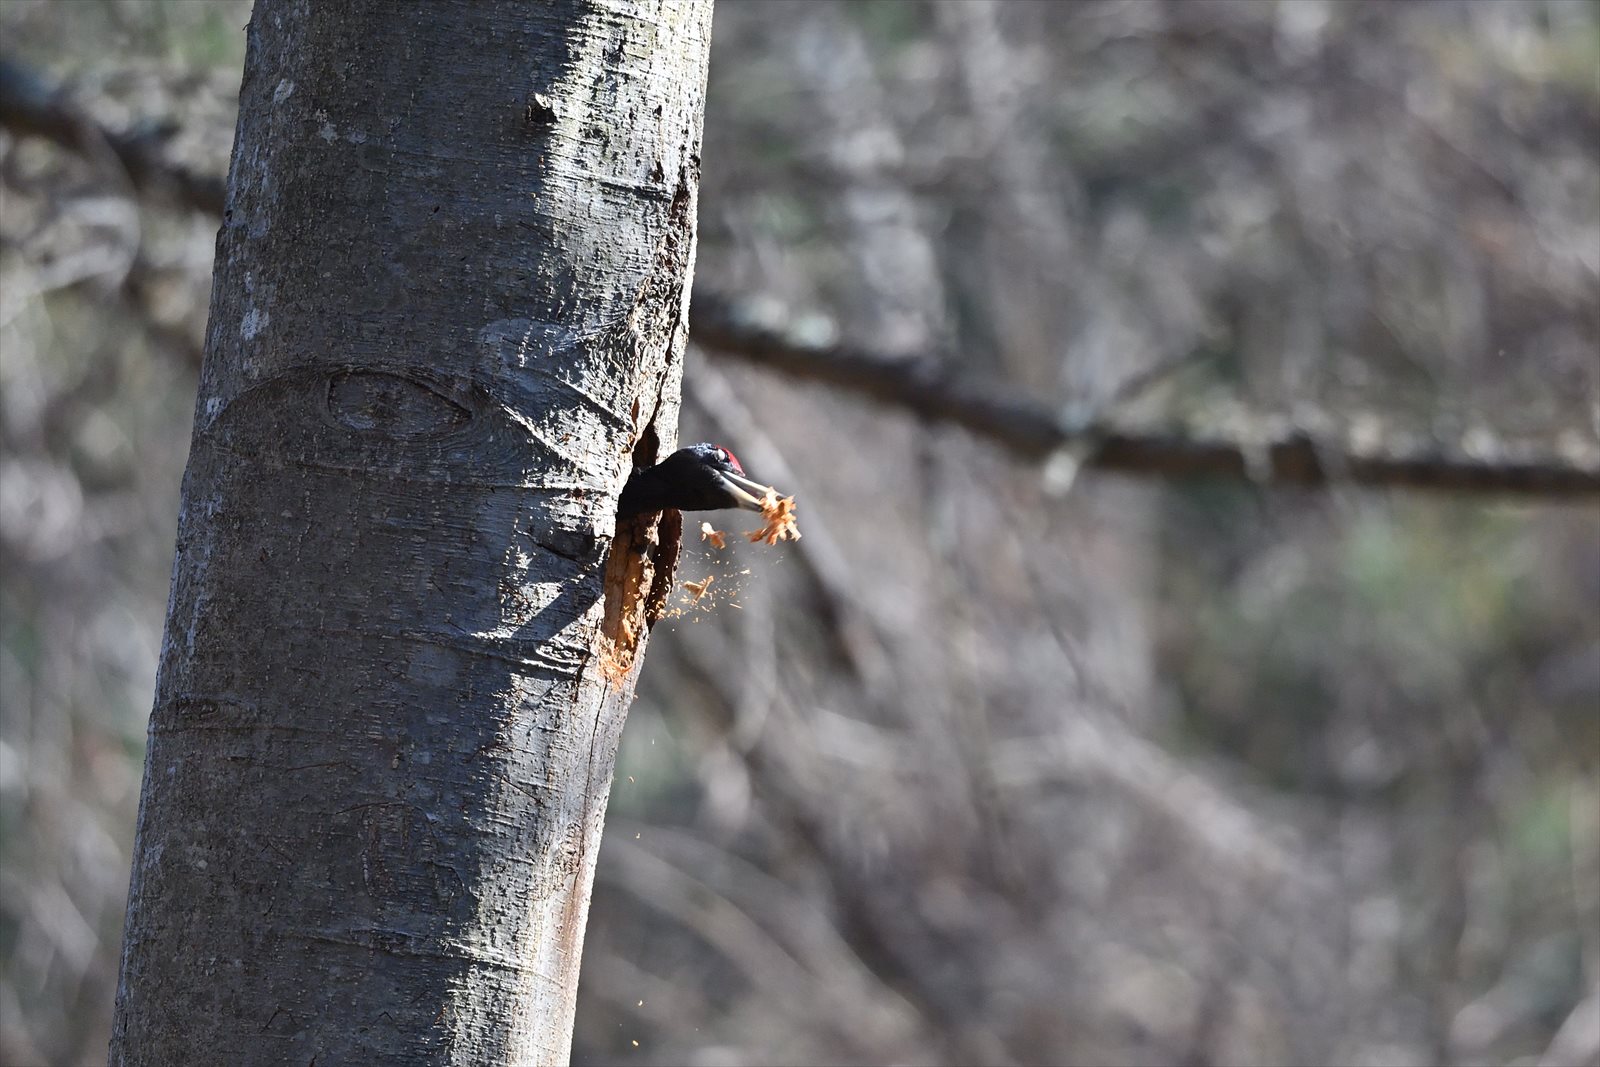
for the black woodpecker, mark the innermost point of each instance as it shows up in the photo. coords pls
(703, 477)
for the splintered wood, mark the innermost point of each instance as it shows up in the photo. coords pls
(717, 538)
(778, 513)
(639, 577)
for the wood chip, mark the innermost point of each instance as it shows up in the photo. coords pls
(779, 515)
(699, 588)
(717, 538)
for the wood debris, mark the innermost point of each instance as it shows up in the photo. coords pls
(717, 538)
(780, 522)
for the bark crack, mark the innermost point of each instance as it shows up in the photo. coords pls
(644, 552)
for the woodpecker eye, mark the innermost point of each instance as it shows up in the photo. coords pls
(729, 458)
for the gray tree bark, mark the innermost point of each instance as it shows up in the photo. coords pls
(449, 311)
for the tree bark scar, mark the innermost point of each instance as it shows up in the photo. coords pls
(381, 402)
(630, 578)
(629, 571)
(638, 580)
(664, 558)
(639, 575)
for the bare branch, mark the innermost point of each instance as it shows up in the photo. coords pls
(1255, 451)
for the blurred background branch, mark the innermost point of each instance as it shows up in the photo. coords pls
(29, 104)
(1253, 448)
(1238, 446)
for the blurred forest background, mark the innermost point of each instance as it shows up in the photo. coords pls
(994, 767)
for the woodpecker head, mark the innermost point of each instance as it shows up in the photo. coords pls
(703, 477)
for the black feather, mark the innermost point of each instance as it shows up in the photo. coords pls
(686, 480)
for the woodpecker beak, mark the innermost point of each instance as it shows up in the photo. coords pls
(749, 494)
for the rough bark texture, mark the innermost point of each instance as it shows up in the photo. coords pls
(449, 307)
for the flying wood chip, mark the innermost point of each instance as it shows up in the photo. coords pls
(717, 538)
(779, 515)
(699, 588)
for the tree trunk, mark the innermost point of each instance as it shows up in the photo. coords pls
(449, 311)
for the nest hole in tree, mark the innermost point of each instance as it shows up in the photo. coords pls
(639, 574)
